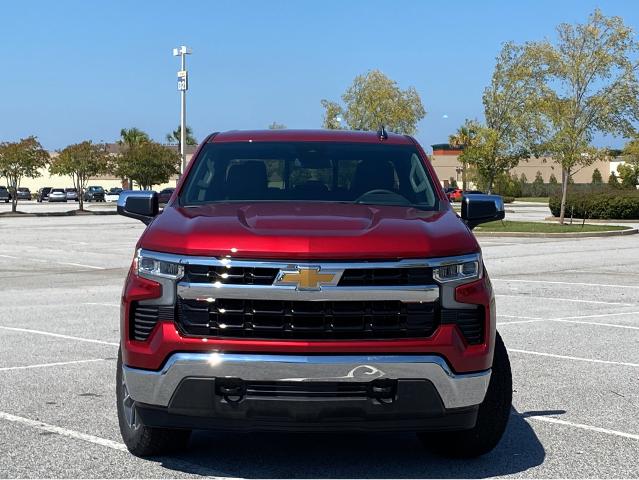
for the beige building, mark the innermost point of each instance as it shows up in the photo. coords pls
(106, 181)
(448, 168)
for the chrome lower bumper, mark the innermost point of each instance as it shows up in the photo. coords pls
(157, 387)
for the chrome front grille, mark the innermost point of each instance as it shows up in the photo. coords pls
(307, 300)
(273, 299)
(351, 277)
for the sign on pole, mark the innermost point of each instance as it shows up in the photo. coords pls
(183, 80)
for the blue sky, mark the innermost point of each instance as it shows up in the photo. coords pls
(76, 70)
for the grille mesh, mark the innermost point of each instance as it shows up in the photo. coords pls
(143, 319)
(470, 322)
(307, 320)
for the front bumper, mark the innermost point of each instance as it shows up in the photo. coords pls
(421, 391)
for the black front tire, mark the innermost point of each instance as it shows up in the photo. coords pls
(140, 440)
(492, 418)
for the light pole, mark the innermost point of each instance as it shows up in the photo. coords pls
(183, 86)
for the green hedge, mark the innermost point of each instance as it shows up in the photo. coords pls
(619, 204)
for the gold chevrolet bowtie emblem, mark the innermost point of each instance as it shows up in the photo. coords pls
(306, 278)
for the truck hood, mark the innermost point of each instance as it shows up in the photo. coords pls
(308, 231)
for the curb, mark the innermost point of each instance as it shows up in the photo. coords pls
(605, 233)
(595, 220)
(70, 213)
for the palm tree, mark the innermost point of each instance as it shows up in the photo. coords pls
(130, 137)
(174, 137)
(462, 138)
(133, 136)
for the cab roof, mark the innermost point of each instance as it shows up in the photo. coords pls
(286, 135)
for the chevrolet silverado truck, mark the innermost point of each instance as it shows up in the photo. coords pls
(310, 281)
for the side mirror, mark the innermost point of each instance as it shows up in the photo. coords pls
(476, 209)
(139, 204)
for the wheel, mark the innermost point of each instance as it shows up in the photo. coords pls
(492, 418)
(144, 441)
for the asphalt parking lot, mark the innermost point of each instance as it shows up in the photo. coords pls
(568, 310)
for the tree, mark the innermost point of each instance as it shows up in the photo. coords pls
(538, 185)
(148, 163)
(596, 177)
(128, 138)
(464, 137)
(374, 100)
(21, 159)
(590, 86)
(332, 115)
(629, 170)
(133, 136)
(174, 137)
(552, 180)
(512, 130)
(613, 181)
(629, 175)
(276, 126)
(81, 162)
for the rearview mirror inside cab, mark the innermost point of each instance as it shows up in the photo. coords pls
(476, 209)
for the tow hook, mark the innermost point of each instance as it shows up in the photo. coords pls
(383, 390)
(232, 390)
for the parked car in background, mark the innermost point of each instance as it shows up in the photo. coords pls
(72, 194)
(43, 194)
(165, 194)
(4, 195)
(57, 195)
(94, 194)
(24, 193)
(454, 195)
(113, 194)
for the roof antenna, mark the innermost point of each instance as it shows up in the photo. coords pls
(382, 133)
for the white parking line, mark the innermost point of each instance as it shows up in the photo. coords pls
(567, 299)
(567, 357)
(63, 431)
(582, 426)
(102, 304)
(564, 283)
(599, 315)
(516, 322)
(56, 364)
(40, 260)
(59, 335)
(47, 427)
(613, 325)
(80, 265)
(520, 317)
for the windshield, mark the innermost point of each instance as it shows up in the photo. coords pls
(57, 190)
(303, 171)
(96, 189)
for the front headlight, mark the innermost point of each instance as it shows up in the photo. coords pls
(455, 271)
(149, 265)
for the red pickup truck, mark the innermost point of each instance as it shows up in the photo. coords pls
(315, 281)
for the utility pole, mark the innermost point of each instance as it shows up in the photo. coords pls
(183, 86)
